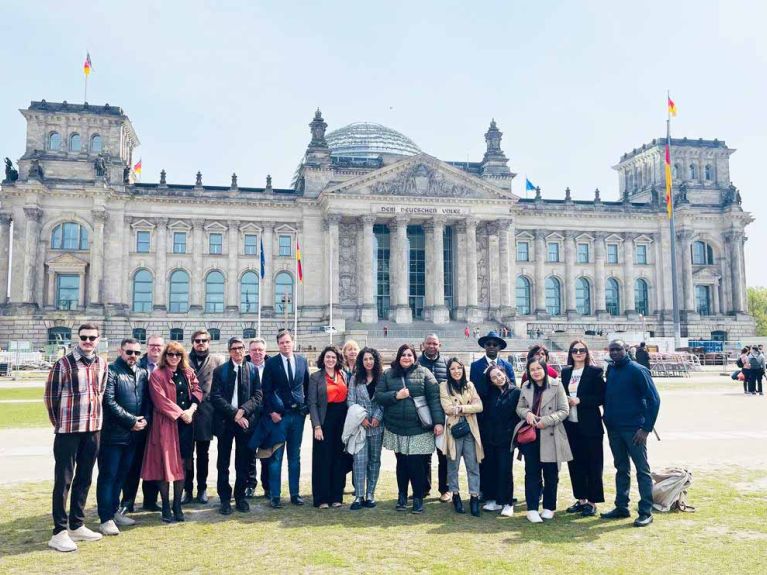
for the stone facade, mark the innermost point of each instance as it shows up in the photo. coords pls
(80, 238)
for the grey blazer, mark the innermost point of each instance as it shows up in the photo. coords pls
(358, 394)
(318, 397)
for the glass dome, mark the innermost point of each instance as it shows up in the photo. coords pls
(368, 140)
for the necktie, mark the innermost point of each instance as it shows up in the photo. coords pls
(290, 373)
(239, 382)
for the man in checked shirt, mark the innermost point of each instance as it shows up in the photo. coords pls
(73, 395)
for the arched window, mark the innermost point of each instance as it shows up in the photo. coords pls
(703, 299)
(693, 172)
(96, 143)
(702, 254)
(74, 143)
(675, 174)
(214, 292)
(283, 293)
(59, 335)
(54, 141)
(215, 334)
(178, 302)
(69, 236)
(524, 295)
(553, 296)
(612, 296)
(709, 172)
(641, 297)
(583, 296)
(139, 333)
(142, 291)
(249, 292)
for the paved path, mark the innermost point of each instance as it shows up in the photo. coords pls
(706, 427)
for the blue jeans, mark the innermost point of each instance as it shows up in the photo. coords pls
(622, 446)
(294, 433)
(114, 463)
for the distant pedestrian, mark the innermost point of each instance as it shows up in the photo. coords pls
(467, 332)
(643, 356)
(476, 333)
(386, 331)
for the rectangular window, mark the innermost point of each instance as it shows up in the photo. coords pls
(67, 291)
(381, 269)
(583, 253)
(523, 251)
(286, 245)
(142, 242)
(251, 244)
(553, 252)
(640, 254)
(179, 242)
(612, 253)
(216, 243)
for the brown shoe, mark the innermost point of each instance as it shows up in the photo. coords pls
(446, 497)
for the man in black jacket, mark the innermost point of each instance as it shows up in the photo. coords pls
(124, 416)
(642, 355)
(237, 399)
(257, 356)
(431, 360)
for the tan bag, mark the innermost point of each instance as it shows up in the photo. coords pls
(669, 492)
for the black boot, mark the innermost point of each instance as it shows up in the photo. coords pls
(417, 505)
(164, 495)
(402, 502)
(458, 504)
(177, 490)
(474, 505)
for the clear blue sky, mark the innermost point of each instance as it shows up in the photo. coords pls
(231, 85)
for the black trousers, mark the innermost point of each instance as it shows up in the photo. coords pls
(75, 455)
(498, 471)
(411, 469)
(758, 380)
(441, 472)
(203, 463)
(130, 487)
(329, 462)
(242, 458)
(534, 468)
(253, 473)
(587, 464)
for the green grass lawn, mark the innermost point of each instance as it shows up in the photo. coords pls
(35, 393)
(726, 535)
(23, 415)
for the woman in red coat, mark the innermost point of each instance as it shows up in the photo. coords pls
(175, 395)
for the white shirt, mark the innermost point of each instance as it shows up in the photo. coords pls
(492, 361)
(292, 360)
(575, 379)
(260, 369)
(236, 383)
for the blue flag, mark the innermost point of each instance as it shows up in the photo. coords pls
(263, 259)
(529, 185)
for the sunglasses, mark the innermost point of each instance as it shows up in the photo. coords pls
(135, 352)
(238, 348)
(579, 350)
(88, 337)
(200, 340)
(173, 354)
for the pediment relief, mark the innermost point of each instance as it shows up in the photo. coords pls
(706, 273)
(250, 228)
(66, 263)
(555, 237)
(584, 238)
(215, 227)
(179, 226)
(421, 176)
(525, 236)
(643, 239)
(612, 238)
(142, 224)
(285, 228)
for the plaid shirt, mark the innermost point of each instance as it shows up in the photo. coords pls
(73, 393)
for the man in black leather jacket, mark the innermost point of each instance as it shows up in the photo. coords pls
(125, 406)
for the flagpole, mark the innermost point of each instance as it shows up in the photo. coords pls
(330, 291)
(260, 293)
(672, 226)
(295, 297)
(85, 94)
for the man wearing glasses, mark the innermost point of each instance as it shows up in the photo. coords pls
(236, 397)
(124, 417)
(73, 395)
(203, 363)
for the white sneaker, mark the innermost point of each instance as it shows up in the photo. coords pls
(109, 528)
(121, 520)
(491, 505)
(547, 514)
(62, 542)
(534, 517)
(82, 533)
(507, 511)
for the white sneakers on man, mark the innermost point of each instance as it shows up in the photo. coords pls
(109, 528)
(547, 514)
(534, 517)
(507, 511)
(491, 505)
(62, 542)
(82, 533)
(122, 520)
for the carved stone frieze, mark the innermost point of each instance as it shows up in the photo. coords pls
(483, 271)
(347, 264)
(422, 180)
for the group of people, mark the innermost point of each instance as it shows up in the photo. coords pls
(144, 418)
(751, 363)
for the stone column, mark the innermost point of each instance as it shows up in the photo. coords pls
(572, 312)
(715, 309)
(400, 308)
(5, 237)
(685, 253)
(494, 270)
(725, 301)
(459, 267)
(667, 312)
(232, 277)
(658, 289)
(197, 278)
(540, 277)
(508, 268)
(120, 287)
(436, 310)
(266, 287)
(472, 298)
(367, 280)
(735, 245)
(629, 301)
(96, 272)
(430, 295)
(600, 309)
(34, 216)
(161, 266)
(332, 248)
(741, 245)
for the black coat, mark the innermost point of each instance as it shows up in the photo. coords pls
(275, 385)
(437, 366)
(126, 397)
(591, 392)
(499, 416)
(249, 396)
(643, 357)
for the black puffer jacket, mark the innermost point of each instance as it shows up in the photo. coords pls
(437, 366)
(400, 415)
(125, 398)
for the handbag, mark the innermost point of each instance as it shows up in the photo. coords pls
(526, 434)
(460, 429)
(422, 409)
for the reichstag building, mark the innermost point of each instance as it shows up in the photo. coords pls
(409, 238)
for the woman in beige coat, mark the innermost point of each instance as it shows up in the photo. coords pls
(460, 401)
(543, 405)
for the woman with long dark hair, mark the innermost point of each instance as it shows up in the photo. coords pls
(367, 461)
(584, 386)
(461, 404)
(543, 406)
(405, 432)
(327, 411)
(541, 352)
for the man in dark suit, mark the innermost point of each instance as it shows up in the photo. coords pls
(257, 356)
(285, 383)
(237, 399)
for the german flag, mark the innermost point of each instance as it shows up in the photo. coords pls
(87, 66)
(299, 268)
(671, 107)
(137, 167)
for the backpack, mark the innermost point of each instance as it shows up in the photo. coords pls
(754, 362)
(669, 491)
(739, 363)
